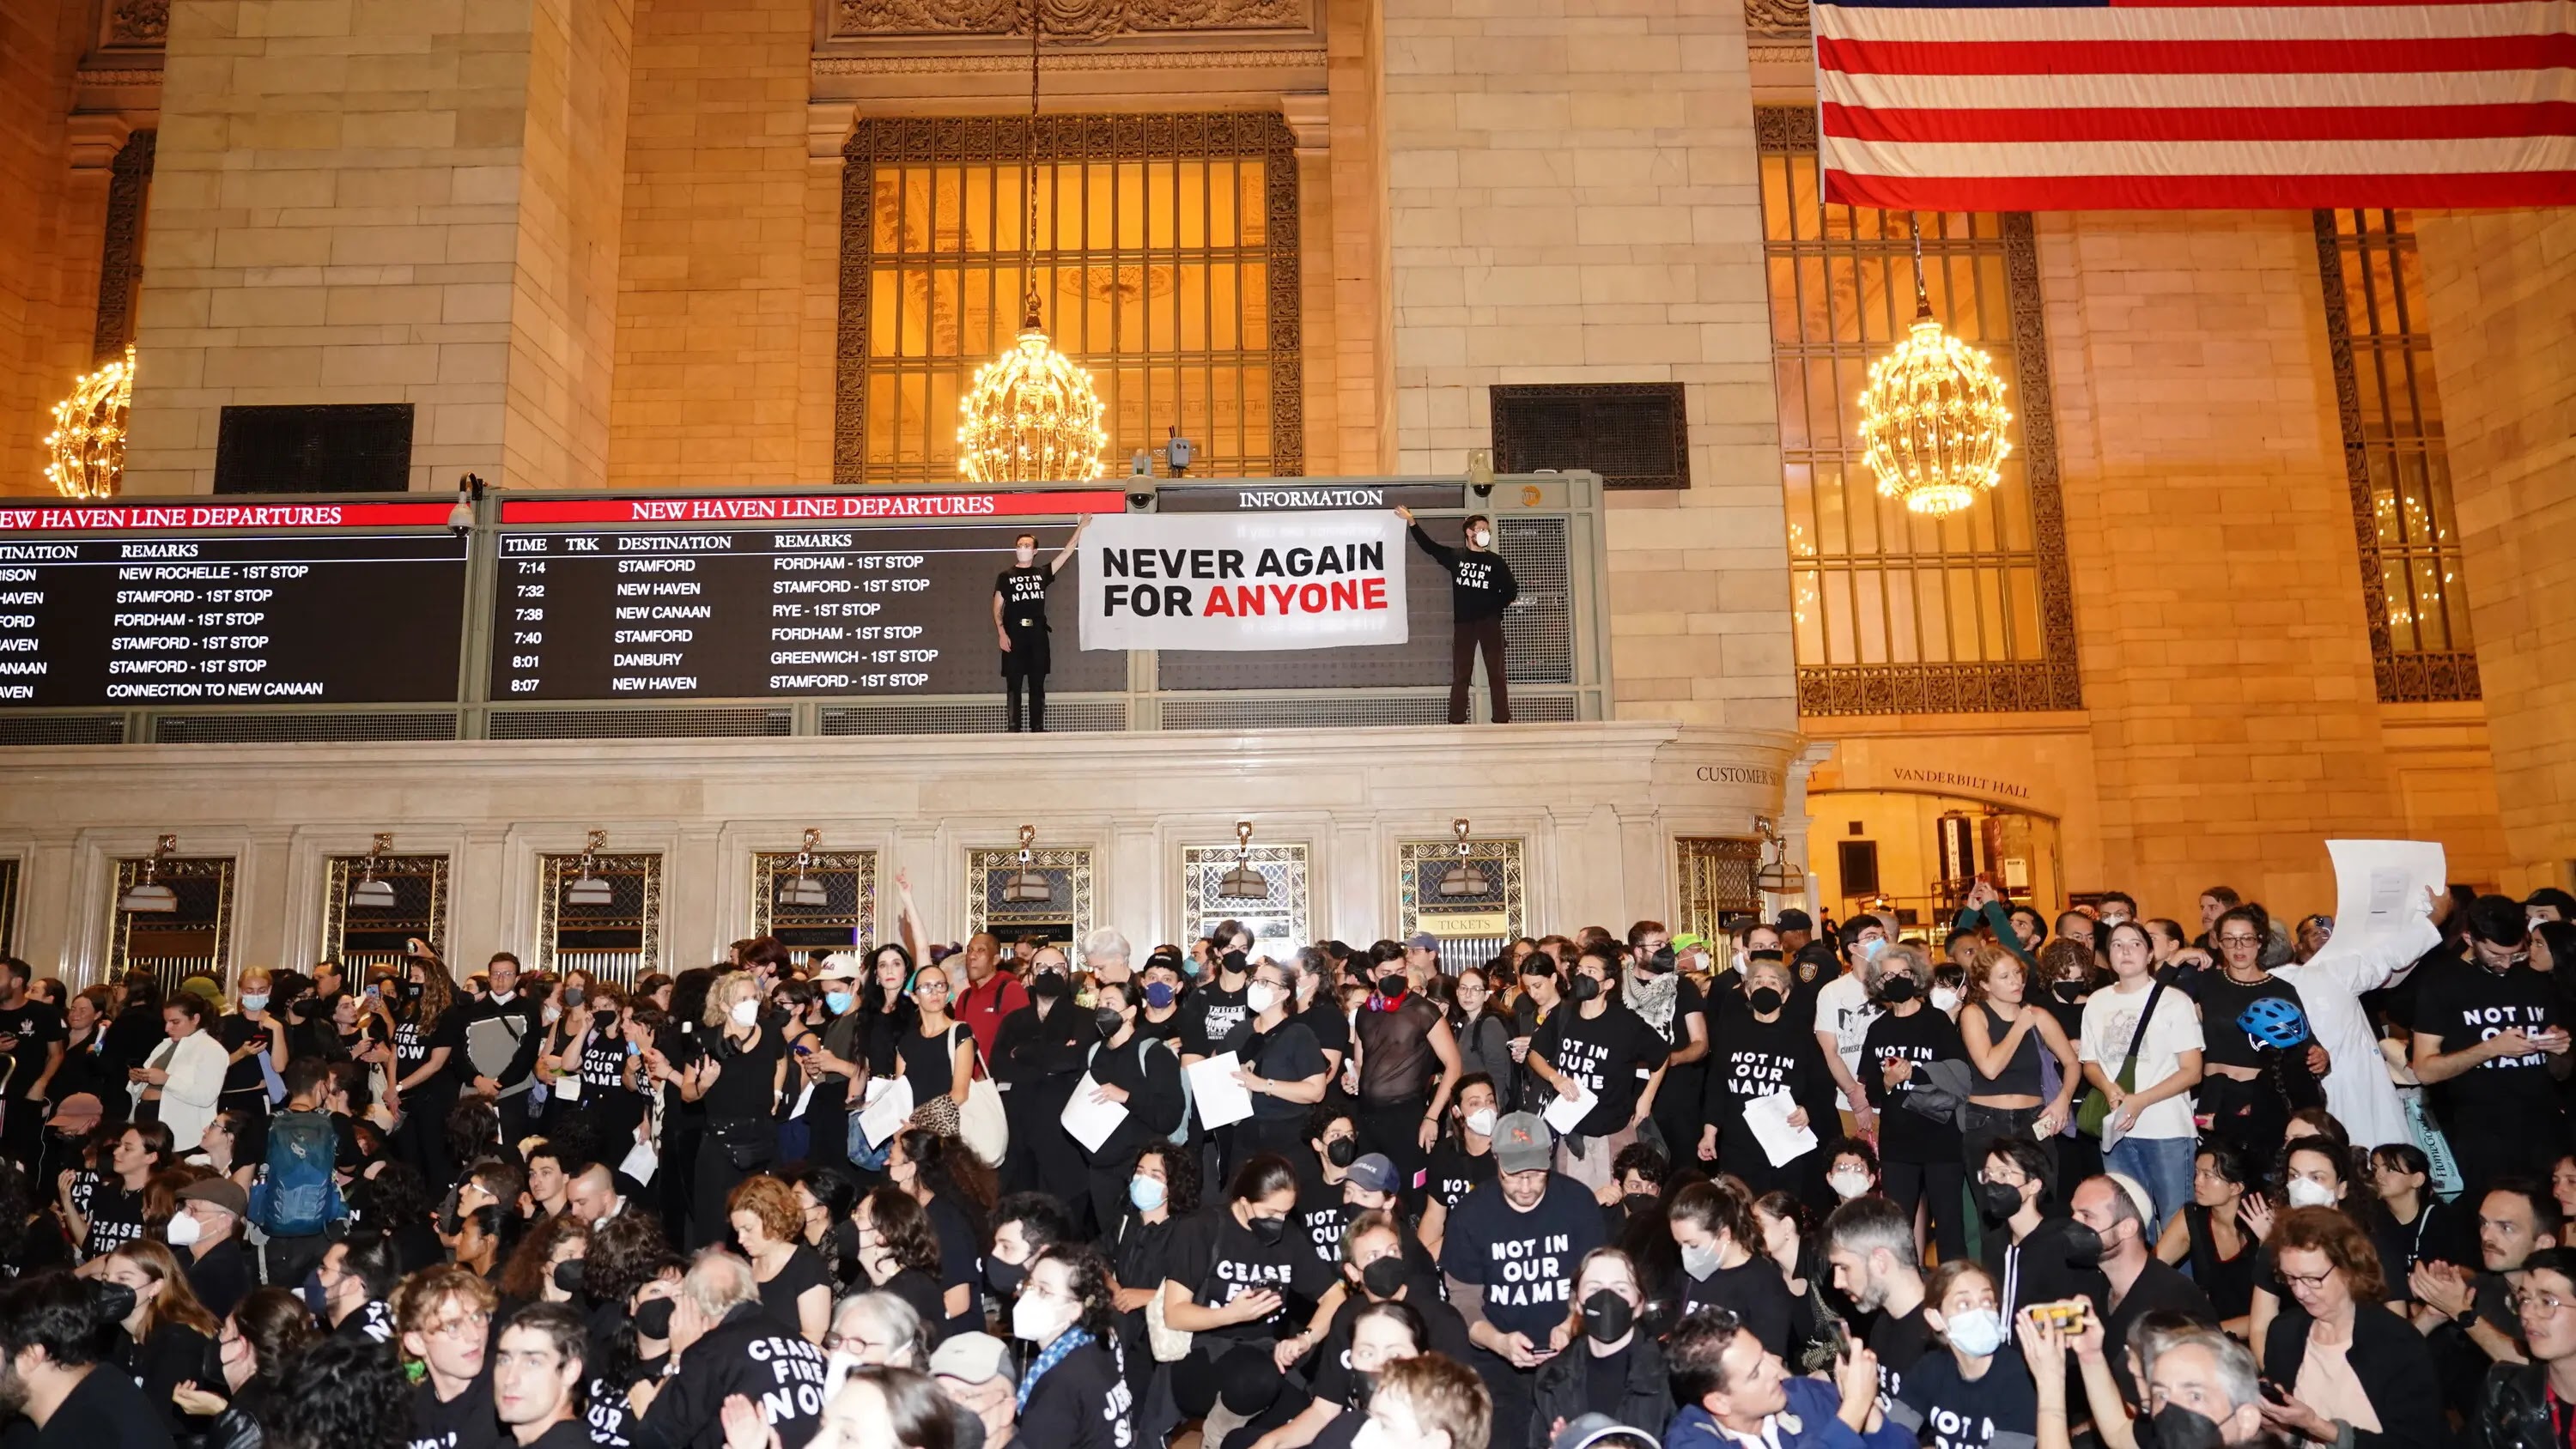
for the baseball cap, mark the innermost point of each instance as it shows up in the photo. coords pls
(1522, 1143)
(1422, 941)
(223, 1192)
(2137, 1193)
(1374, 1173)
(839, 966)
(78, 1112)
(1690, 941)
(1794, 919)
(972, 1357)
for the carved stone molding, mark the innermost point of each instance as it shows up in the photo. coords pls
(1067, 61)
(1796, 52)
(120, 260)
(1309, 117)
(1784, 128)
(138, 22)
(1775, 17)
(95, 139)
(1066, 20)
(1005, 139)
(140, 76)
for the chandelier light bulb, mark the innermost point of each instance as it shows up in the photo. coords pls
(87, 445)
(1032, 415)
(1933, 426)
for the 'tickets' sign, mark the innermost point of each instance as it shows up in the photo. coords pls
(1243, 581)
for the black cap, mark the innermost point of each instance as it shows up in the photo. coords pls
(1794, 919)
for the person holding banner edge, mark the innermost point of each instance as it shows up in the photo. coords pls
(1481, 587)
(1020, 623)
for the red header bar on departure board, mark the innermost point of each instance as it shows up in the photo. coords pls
(815, 507)
(113, 517)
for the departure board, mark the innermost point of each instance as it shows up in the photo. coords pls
(204, 603)
(867, 594)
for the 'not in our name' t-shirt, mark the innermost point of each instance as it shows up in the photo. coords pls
(1524, 1261)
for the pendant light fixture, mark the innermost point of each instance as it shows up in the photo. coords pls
(148, 896)
(1466, 878)
(1933, 426)
(370, 893)
(587, 889)
(802, 890)
(1027, 886)
(1243, 883)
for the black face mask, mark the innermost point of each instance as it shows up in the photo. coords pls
(413, 989)
(1049, 986)
(1583, 988)
(1108, 1019)
(1999, 1200)
(1391, 984)
(1639, 1204)
(2180, 1428)
(1896, 990)
(1268, 1231)
(1764, 1000)
(653, 1319)
(1384, 1278)
(1656, 964)
(1363, 1389)
(1607, 1317)
(570, 1275)
(2083, 1246)
(1342, 1151)
(1006, 1278)
(2069, 992)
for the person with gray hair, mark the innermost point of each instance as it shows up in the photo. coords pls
(1869, 1246)
(726, 1344)
(1105, 954)
(879, 1328)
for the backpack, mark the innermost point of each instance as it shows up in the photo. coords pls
(298, 1196)
(1179, 1136)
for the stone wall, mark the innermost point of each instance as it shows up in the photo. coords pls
(713, 276)
(1571, 192)
(2501, 293)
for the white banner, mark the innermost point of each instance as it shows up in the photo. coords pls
(1243, 580)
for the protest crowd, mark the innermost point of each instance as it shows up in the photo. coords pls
(2011, 1183)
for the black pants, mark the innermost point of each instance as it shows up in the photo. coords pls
(1394, 1128)
(1025, 664)
(1473, 635)
(1908, 1183)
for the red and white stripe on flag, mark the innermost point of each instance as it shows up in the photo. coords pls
(1999, 105)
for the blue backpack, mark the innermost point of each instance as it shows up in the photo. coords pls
(298, 1196)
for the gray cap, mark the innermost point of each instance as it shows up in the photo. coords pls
(1522, 1143)
(1374, 1173)
(974, 1357)
(1423, 941)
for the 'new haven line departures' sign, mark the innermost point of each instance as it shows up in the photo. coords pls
(1243, 581)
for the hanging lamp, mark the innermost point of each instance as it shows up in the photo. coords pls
(1933, 426)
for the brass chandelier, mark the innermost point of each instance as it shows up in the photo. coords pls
(1933, 426)
(1032, 414)
(87, 445)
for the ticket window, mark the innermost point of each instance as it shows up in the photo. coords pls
(1218, 884)
(191, 938)
(606, 921)
(1043, 892)
(1470, 895)
(379, 904)
(819, 900)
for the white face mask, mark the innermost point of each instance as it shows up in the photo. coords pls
(1481, 1121)
(835, 1369)
(1026, 556)
(1848, 1185)
(1699, 1261)
(745, 1012)
(1944, 999)
(185, 1231)
(1038, 1320)
(1261, 996)
(1480, 538)
(2308, 1192)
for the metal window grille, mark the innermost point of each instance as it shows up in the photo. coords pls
(1634, 434)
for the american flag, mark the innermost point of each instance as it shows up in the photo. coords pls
(2005, 105)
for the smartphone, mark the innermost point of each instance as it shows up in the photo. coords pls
(2273, 1391)
(2070, 1317)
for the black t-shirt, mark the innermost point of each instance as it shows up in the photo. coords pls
(2466, 1004)
(2159, 1287)
(1024, 597)
(222, 1278)
(1525, 1261)
(38, 1025)
(921, 1290)
(467, 1421)
(1081, 1403)
(2222, 1001)
(1334, 1381)
(1287, 1054)
(236, 1031)
(1906, 1135)
(929, 1063)
(1219, 1260)
(1900, 1341)
(1749, 1058)
(105, 1408)
(115, 1218)
(1946, 1409)
(1455, 1172)
(413, 1045)
(1209, 1014)
(1612, 1055)
(961, 1261)
(1756, 1292)
(1319, 1218)
(1332, 1029)
(802, 1270)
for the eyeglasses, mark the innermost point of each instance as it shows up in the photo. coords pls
(856, 1343)
(2304, 1280)
(464, 1325)
(2240, 940)
(2533, 1303)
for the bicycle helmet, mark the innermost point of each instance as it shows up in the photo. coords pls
(2275, 1021)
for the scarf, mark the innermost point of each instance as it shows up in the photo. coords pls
(1652, 997)
(1048, 1357)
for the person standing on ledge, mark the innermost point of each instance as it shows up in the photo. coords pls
(1020, 622)
(1481, 586)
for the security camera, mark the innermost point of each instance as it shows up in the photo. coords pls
(1140, 502)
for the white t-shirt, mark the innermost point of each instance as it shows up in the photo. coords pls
(1843, 1007)
(2111, 1018)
